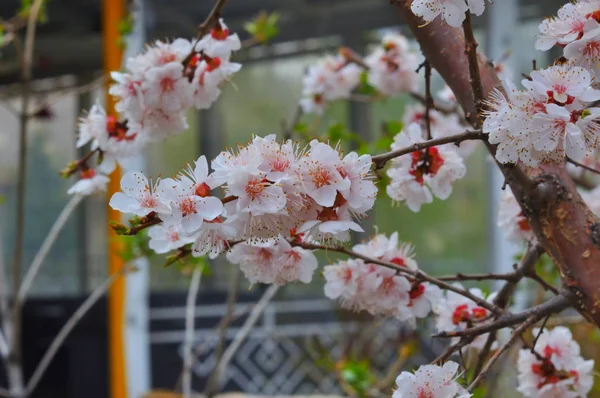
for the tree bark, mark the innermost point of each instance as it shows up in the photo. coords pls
(562, 222)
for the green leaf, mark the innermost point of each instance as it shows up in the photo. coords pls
(358, 375)
(264, 27)
(2, 199)
(25, 9)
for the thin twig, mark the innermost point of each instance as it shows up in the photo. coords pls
(190, 317)
(528, 261)
(382, 159)
(517, 333)
(244, 331)
(552, 306)
(418, 275)
(477, 277)
(583, 166)
(212, 385)
(69, 326)
(40, 256)
(25, 57)
(428, 99)
(540, 333)
(545, 285)
(205, 27)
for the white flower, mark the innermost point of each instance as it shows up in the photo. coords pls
(90, 183)
(556, 369)
(430, 381)
(274, 261)
(332, 78)
(548, 120)
(452, 11)
(555, 127)
(362, 192)
(585, 52)
(563, 29)
(213, 238)
(416, 176)
(319, 171)
(139, 197)
(166, 88)
(219, 43)
(332, 224)
(255, 194)
(190, 207)
(563, 84)
(164, 238)
(456, 312)
(392, 67)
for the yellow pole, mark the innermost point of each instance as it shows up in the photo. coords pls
(112, 14)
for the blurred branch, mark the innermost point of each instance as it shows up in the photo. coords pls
(212, 385)
(244, 331)
(190, 317)
(69, 326)
(40, 256)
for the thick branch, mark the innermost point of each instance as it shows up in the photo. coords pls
(552, 306)
(563, 224)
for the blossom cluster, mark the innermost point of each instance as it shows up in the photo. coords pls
(549, 119)
(153, 95)
(273, 191)
(422, 174)
(452, 11)
(331, 78)
(430, 381)
(576, 28)
(377, 289)
(456, 312)
(390, 68)
(555, 368)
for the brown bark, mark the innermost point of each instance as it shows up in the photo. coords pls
(563, 224)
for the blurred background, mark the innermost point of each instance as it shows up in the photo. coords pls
(286, 353)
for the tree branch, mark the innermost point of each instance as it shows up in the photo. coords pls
(190, 316)
(583, 166)
(561, 221)
(517, 333)
(418, 275)
(382, 159)
(212, 385)
(40, 256)
(244, 331)
(552, 306)
(69, 326)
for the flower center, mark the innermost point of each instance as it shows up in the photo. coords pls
(255, 187)
(264, 255)
(321, 177)
(173, 236)
(416, 291)
(148, 200)
(187, 206)
(426, 162)
(167, 85)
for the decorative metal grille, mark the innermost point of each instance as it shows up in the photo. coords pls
(279, 356)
